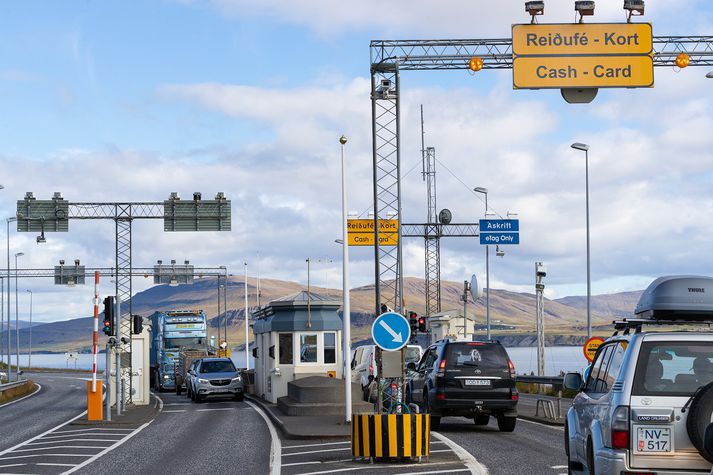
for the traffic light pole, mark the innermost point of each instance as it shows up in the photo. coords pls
(107, 389)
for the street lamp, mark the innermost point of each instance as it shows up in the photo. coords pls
(17, 322)
(346, 315)
(710, 75)
(585, 148)
(29, 354)
(484, 191)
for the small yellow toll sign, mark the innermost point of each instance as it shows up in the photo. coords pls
(591, 346)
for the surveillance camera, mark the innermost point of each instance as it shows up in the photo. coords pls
(540, 269)
(112, 341)
(124, 340)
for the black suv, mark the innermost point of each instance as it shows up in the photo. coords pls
(473, 379)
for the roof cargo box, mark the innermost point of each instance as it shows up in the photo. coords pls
(678, 297)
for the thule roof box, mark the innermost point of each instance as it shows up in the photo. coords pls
(680, 297)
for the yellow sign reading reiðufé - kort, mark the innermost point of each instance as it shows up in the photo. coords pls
(582, 38)
(532, 72)
(361, 232)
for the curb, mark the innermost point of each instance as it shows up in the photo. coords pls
(283, 429)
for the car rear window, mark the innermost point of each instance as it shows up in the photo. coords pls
(483, 355)
(217, 367)
(673, 368)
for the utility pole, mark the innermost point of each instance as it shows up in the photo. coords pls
(540, 273)
(466, 288)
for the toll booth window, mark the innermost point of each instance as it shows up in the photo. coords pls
(286, 348)
(308, 348)
(330, 346)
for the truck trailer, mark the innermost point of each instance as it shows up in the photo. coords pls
(172, 332)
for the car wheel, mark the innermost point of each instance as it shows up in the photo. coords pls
(178, 389)
(481, 419)
(699, 416)
(506, 424)
(188, 391)
(193, 396)
(199, 398)
(239, 397)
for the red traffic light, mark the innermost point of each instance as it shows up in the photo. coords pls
(422, 324)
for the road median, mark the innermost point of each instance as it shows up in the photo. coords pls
(13, 391)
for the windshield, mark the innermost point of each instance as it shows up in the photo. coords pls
(482, 355)
(673, 368)
(184, 342)
(217, 367)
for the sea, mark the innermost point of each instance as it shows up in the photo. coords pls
(558, 359)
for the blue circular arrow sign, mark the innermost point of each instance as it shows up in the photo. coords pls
(391, 331)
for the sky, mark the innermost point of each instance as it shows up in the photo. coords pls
(119, 101)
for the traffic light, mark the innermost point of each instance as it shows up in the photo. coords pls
(109, 319)
(413, 321)
(422, 324)
(137, 324)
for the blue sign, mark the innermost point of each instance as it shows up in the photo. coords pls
(391, 331)
(500, 225)
(499, 231)
(499, 238)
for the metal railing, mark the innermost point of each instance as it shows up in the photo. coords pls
(551, 380)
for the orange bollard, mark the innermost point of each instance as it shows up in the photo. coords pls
(95, 406)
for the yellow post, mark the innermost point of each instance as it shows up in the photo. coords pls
(95, 407)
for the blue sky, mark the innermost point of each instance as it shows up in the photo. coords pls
(128, 101)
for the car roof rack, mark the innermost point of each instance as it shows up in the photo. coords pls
(625, 325)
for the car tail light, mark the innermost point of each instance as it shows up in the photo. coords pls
(511, 367)
(620, 428)
(442, 368)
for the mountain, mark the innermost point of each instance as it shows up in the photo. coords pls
(563, 317)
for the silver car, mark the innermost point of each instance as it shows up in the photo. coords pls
(648, 396)
(215, 377)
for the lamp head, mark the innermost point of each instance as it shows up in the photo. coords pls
(18, 254)
(480, 189)
(710, 75)
(343, 139)
(580, 146)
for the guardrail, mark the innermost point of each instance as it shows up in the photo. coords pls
(6, 386)
(553, 380)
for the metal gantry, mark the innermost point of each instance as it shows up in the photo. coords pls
(388, 59)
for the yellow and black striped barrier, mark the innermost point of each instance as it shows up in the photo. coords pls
(391, 435)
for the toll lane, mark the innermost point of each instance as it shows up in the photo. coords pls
(62, 397)
(216, 436)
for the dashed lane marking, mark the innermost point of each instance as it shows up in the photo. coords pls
(316, 452)
(315, 445)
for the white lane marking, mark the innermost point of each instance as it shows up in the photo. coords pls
(437, 471)
(13, 465)
(275, 446)
(38, 436)
(72, 440)
(23, 397)
(46, 455)
(178, 404)
(316, 452)
(314, 445)
(558, 467)
(56, 464)
(110, 448)
(318, 462)
(476, 468)
(64, 447)
(386, 466)
(542, 425)
(177, 410)
(81, 434)
(100, 429)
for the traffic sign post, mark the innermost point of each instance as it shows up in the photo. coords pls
(391, 331)
(591, 346)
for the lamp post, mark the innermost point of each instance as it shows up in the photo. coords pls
(346, 315)
(9, 349)
(29, 354)
(17, 322)
(585, 148)
(484, 191)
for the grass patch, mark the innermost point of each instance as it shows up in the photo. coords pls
(17, 392)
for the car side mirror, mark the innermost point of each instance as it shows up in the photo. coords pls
(708, 439)
(573, 381)
(411, 366)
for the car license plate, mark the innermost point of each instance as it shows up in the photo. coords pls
(653, 439)
(477, 382)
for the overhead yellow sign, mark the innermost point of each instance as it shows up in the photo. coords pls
(582, 38)
(361, 232)
(541, 72)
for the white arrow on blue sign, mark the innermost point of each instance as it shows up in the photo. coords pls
(391, 331)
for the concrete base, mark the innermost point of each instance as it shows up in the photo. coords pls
(319, 395)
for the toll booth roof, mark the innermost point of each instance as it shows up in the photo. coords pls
(294, 312)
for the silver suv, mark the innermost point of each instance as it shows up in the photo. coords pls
(647, 398)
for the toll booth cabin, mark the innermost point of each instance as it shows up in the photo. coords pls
(296, 337)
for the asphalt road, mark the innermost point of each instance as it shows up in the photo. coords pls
(216, 436)
(531, 448)
(62, 397)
